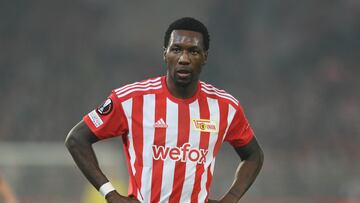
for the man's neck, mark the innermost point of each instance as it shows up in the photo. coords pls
(181, 92)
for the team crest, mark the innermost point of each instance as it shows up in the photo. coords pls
(105, 108)
(205, 125)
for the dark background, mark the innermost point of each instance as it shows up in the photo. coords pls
(294, 66)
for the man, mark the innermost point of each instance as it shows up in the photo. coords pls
(172, 128)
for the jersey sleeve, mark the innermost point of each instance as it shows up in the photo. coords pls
(240, 132)
(108, 120)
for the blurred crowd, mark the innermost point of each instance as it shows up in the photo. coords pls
(293, 65)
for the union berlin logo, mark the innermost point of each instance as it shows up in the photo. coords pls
(182, 154)
(205, 125)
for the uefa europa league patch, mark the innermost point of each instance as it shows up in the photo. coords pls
(105, 108)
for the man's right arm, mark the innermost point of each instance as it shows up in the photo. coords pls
(79, 143)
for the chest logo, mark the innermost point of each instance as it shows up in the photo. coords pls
(205, 125)
(183, 154)
(160, 124)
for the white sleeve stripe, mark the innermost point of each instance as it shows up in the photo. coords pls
(211, 86)
(138, 89)
(137, 86)
(139, 83)
(222, 96)
(221, 92)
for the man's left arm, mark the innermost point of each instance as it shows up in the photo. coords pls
(252, 158)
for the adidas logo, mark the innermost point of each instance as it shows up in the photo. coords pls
(160, 124)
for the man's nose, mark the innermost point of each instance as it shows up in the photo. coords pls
(184, 58)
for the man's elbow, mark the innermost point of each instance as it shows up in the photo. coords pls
(257, 156)
(74, 139)
(79, 137)
(261, 156)
(70, 141)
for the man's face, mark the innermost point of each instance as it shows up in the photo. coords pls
(184, 57)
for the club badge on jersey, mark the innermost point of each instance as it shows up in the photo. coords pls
(105, 108)
(205, 125)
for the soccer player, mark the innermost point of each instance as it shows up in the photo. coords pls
(172, 128)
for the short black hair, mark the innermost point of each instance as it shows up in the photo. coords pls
(191, 24)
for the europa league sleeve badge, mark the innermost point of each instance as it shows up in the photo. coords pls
(105, 108)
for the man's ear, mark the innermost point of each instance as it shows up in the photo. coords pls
(205, 57)
(164, 53)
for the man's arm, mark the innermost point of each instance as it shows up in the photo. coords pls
(252, 159)
(79, 143)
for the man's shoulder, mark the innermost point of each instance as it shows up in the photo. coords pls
(151, 85)
(213, 92)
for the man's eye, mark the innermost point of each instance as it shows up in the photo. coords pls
(175, 49)
(194, 52)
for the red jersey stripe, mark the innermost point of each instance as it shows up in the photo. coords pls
(223, 124)
(148, 109)
(204, 142)
(194, 141)
(159, 140)
(137, 131)
(183, 137)
(223, 113)
(169, 165)
(214, 116)
(129, 151)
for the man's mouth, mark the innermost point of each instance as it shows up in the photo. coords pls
(183, 73)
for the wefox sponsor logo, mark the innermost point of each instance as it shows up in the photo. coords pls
(182, 154)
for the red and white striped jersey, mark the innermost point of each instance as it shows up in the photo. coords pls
(170, 143)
